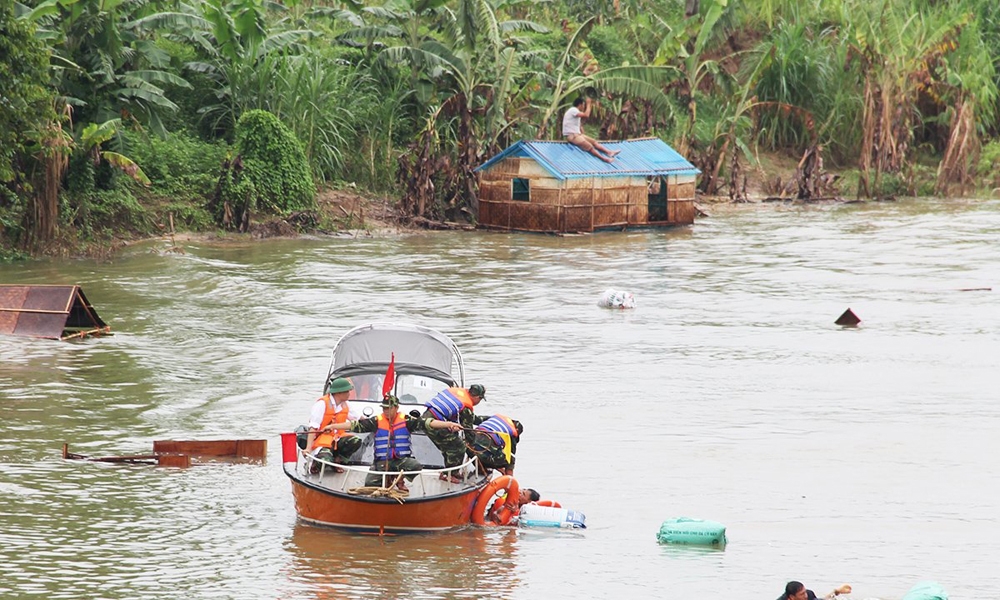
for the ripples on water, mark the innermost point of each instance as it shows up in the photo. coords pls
(833, 455)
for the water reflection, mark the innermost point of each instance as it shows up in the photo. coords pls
(471, 563)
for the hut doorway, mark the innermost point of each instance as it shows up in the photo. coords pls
(657, 198)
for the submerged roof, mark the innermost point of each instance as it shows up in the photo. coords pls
(48, 311)
(643, 157)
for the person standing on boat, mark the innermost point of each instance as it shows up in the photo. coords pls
(573, 132)
(796, 590)
(329, 444)
(391, 432)
(454, 405)
(489, 439)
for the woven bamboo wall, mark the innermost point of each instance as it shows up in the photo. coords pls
(579, 204)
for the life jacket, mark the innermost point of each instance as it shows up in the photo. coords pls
(501, 424)
(328, 439)
(448, 403)
(392, 440)
(501, 513)
(362, 389)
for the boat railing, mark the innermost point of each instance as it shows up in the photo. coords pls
(355, 475)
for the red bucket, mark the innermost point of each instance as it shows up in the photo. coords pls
(289, 447)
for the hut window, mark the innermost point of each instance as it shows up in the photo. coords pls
(520, 189)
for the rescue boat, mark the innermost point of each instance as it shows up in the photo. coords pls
(425, 362)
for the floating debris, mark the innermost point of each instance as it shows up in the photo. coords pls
(177, 453)
(926, 590)
(616, 299)
(848, 319)
(57, 312)
(683, 530)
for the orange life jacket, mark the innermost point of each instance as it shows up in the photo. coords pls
(501, 513)
(328, 439)
(362, 389)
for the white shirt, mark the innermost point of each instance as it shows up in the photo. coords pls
(319, 409)
(571, 121)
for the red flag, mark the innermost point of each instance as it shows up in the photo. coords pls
(390, 376)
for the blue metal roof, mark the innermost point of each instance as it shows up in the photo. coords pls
(648, 156)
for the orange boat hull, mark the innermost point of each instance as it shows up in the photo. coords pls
(382, 514)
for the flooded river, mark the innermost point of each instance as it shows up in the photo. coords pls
(832, 455)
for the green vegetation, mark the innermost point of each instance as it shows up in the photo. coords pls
(269, 172)
(117, 115)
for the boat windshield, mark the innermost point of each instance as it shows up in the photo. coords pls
(417, 389)
(410, 389)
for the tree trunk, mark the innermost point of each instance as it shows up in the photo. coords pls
(54, 159)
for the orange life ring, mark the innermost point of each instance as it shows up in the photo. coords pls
(551, 503)
(509, 508)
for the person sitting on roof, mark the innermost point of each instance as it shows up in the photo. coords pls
(489, 439)
(392, 440)
(455, 405)
(331, 445)
(574, 133)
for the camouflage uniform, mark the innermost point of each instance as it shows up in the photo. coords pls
(346, 446)
(405, 463)
(450, 443)
(489, 452)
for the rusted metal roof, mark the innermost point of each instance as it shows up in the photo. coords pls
(48, 311)
(643, 157)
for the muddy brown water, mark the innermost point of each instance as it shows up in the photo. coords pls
(863, 455)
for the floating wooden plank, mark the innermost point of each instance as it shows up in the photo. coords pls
(174, 460)
(150, 459)
(48, 311)
(249, 449)
(182, 453)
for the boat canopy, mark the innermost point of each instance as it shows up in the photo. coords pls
(417, 349)
(48, 311)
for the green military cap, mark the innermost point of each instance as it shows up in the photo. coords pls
(340, 384)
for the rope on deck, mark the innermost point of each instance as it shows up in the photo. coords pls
(382, 492)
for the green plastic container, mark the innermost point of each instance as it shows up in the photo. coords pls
(926, 590)
(683, 530)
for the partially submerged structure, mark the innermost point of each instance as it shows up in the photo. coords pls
(186, 453)
(48, 311)
(551, 186)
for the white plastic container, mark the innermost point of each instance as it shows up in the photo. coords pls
(533, 515)
(616, 299)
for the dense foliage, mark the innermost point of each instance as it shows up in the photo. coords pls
(269, 173)
(25, 108)
(407, 97)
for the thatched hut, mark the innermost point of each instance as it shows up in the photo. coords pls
(556, 187)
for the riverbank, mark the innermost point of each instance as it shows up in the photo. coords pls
(351, 212)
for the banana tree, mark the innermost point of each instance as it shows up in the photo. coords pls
(105, 60)
(567, 79)
(91, 141)
(897, 52)
(473, 68)
(685, 49)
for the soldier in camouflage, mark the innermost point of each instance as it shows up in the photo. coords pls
(454, 405)
(488, 445)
